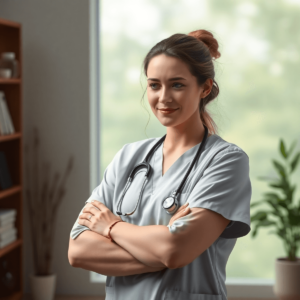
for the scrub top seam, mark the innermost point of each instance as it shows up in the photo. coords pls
(215, 268)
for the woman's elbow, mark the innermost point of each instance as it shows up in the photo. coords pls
(72, 252)
(180, 257)
(173, 259)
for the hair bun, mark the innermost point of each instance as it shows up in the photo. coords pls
(208, 39)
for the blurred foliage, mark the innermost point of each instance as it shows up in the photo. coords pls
(283, 208)
(257, 74)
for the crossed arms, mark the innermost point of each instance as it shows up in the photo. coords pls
(143, 249)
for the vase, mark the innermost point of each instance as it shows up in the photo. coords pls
(287, 279)
(43, 287)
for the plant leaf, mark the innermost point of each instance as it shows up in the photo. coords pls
(279, 167)
(272, 195)
(282, 149)
(294, 217)
(256, 203)
(259, 216)
(294, 162)
(277, 185)
(266, 223)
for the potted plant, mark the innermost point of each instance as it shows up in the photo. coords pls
(42, 206)
(284, 216)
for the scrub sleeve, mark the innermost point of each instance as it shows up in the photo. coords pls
(225, 188)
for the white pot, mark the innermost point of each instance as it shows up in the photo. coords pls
(287, 279)
(43, 287)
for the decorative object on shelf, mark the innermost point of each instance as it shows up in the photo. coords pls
(6, 123)
(8, 61)
(5, 177)
(42, 209)
(8, 276)
(286, 212)
(5, 73)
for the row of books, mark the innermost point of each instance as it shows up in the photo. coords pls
(8, 231)
(6, 124)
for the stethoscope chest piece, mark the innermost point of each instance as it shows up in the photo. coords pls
(170, 205)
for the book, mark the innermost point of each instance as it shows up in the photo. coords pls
(6, 227)
(6, 213)
(9, 221)
(5, 177)
(7, 114)
(2, 119)
(7, 241)
(5, 235)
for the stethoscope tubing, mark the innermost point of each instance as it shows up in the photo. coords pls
(145, 164)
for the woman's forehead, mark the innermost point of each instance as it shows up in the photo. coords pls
(163, 67)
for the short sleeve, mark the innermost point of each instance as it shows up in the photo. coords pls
(225, 188)
(104, 193)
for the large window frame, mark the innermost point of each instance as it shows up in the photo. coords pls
(236, 287)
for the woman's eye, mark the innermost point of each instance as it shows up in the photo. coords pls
(178, 85)
(153, 86)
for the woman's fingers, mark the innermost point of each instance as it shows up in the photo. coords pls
(85, 216)
(182, 211)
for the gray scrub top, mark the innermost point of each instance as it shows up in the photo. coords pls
(219, 181)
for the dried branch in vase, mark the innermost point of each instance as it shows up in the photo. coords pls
(43, 206)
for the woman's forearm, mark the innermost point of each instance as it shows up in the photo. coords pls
(93, 252)
(153, 245)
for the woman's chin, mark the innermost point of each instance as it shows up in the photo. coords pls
(167, 123)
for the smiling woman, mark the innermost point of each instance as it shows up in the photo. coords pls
(179, 253)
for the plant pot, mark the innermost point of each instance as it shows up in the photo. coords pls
(287, 279)
(43, 287)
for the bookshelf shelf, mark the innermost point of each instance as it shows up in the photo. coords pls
(9, 137)
(11, 191)
(10, 81)
(10, 247)
(11, 148)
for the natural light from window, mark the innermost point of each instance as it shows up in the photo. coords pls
(259, 92)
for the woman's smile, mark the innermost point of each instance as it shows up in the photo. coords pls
(167, 111)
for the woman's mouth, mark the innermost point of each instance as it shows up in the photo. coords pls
(167, 111)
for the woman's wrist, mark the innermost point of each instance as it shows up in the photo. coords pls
(111, 227)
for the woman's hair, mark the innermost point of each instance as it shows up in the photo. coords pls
(197, 49)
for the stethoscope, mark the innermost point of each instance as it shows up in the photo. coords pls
(170, 204)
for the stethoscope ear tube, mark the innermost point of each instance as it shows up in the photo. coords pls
(197, 156)
(170, 204)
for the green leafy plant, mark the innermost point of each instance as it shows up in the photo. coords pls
(281, 202)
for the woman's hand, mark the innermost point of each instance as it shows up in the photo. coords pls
(100, 220)
(182, 211)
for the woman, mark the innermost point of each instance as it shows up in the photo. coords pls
(151, 254)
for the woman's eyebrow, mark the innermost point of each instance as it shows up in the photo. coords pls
(171, 79)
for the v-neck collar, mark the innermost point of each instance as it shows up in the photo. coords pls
(159, 182)
(185, 158)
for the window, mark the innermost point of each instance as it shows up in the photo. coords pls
(259, 96)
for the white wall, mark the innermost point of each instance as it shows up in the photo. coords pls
(56, 100)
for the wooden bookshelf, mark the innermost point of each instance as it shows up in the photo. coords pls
(12, 145)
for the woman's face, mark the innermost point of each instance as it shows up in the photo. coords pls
(170, 85)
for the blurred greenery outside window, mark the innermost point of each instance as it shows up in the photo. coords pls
(257, 73)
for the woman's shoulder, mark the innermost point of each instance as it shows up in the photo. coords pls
(138, 149)
(219, 147)
(141, 144)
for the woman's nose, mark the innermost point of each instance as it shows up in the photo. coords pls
(165, 96)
